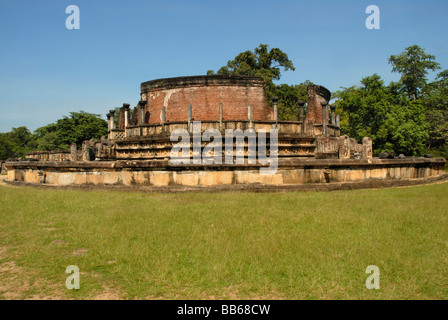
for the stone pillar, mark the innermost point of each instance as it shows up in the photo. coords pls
(109, 126)
(189, 117)
(121, 118)
(84, 151)
(142, 105)
(163, 117)
(220, 117)
(126, 117)
(73, 152)
(126, 114)
(301, 110)
(112, 119)
(250, 116)
(302, 114)
(324, 118)
(333, 114)
(338, 121)
(367, 149)
(275, 101)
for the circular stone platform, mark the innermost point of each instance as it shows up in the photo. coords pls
(290, 173)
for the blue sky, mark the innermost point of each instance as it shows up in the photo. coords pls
(47, 71)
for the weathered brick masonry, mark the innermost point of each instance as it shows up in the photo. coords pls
(204, 93)
(316, 96)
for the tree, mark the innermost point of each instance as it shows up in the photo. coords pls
(6, 147)
(22, 141)
(76, 128)
(289, 95)
(394, 122)
(409, 116)
(408, 128)
(267, 64)
(436, 109)
(262, 62)
(47, 138)
(413, 65)
(16, 143)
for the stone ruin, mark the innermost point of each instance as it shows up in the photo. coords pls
(137, 148)
(220, 102)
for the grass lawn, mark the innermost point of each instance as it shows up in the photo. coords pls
(296, 245)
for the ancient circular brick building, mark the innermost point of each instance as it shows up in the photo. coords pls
(144, 148)
(205, 93)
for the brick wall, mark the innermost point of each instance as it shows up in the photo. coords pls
(316, 95)
(204, 93)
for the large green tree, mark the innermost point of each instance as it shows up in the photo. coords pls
(76, 128)
(409, 116)
(385, 114)
(289, 96)
(261, 62)
(268, 63)
(413, 64)
(435, 101)
(6, 147)
(16, 143)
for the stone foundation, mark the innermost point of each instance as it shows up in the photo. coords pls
(163, 174)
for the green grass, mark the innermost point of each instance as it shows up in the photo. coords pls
(312, 245)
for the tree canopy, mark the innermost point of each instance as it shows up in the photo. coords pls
(374, 110)
(75, 128)
(261, 62)
(268, 63)
(436, 110)
(409, 116)
(16, 143)
(413, 64)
